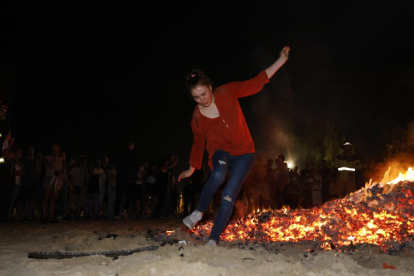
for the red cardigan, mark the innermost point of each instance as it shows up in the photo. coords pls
(229, 131)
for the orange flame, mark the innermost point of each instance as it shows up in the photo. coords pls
(408, 176)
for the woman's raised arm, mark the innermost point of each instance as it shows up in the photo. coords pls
(284, 55)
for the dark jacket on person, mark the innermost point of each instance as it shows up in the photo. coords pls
(32, 169)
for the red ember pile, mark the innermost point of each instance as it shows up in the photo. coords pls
(381, 214)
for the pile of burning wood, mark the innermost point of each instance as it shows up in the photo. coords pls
(380, 214)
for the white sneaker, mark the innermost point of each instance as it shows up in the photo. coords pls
(191, 220)
(211, 243)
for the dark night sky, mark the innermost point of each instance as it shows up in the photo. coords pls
(91, 76)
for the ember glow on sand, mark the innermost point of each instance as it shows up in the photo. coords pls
(380, 214)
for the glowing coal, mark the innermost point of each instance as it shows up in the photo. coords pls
(381, 214)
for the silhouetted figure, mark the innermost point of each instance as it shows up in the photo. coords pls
(325, 173)
(281, 178)
(305, 199)
(346, 169)
(161, 183)
(30, 184)
(7, 173)
(127, 167)
(293, 190)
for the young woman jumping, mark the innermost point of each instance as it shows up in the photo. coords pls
(219, 121)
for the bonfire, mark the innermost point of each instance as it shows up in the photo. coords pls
(381, 214)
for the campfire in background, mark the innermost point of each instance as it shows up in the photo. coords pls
(381, 214)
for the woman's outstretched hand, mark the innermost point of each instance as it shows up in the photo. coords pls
(285, 52)
(186, 173)
(284, 56)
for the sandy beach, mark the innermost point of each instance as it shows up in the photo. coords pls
(17, 239)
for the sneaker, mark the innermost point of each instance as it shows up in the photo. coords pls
(211, 243)
(191, 220)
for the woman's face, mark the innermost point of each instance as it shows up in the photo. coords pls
(203, 95)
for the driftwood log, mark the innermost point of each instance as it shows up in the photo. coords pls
(67, 255)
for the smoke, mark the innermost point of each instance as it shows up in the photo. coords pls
(269, 108)
(270, 126)
(281, 111)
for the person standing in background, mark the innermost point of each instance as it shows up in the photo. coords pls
(100, 172)
(325, 173)
(19, 172)
(30, 184)
(127, 167)
(52, 183)
(7, 174)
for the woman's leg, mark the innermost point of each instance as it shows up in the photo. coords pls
(240, 168)
(53, 199)
(16, 192)
(220, 161)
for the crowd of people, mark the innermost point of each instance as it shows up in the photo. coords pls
(35, 187)
(48, 188)
(274, 188)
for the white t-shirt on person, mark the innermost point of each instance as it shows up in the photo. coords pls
(58, 165)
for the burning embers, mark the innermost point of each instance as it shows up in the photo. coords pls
(381, 214)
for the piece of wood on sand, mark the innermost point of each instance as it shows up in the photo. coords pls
(67, 255)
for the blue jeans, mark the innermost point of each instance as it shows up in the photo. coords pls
(239, 167)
